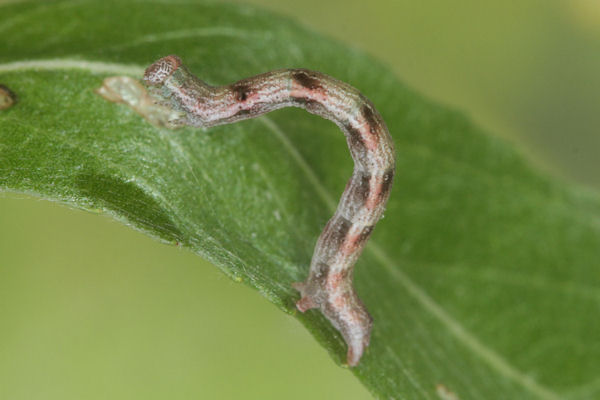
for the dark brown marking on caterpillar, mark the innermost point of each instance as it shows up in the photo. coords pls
(386, 185)
(321, 273)
(333, 238)
(303, 102)
(356, 143)
(354, 135)
(242, 113)
(329, 283)
(7, 97)
(241, 90)
(305, 79)
(369, 116)
(363, 186)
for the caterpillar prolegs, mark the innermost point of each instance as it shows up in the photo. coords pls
(329, 284)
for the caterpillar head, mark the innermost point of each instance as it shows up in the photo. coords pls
(162, 69)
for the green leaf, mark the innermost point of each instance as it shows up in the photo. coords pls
(482, 277)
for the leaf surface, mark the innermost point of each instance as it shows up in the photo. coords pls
(482, 277)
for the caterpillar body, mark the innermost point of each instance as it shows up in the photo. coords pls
(329, 284)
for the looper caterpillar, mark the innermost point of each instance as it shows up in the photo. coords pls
(329, 284)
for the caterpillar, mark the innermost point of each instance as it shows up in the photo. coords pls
(329, 283)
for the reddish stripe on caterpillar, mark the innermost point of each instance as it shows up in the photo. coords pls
(329, 284)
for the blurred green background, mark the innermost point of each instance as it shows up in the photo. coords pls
(91, 309)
